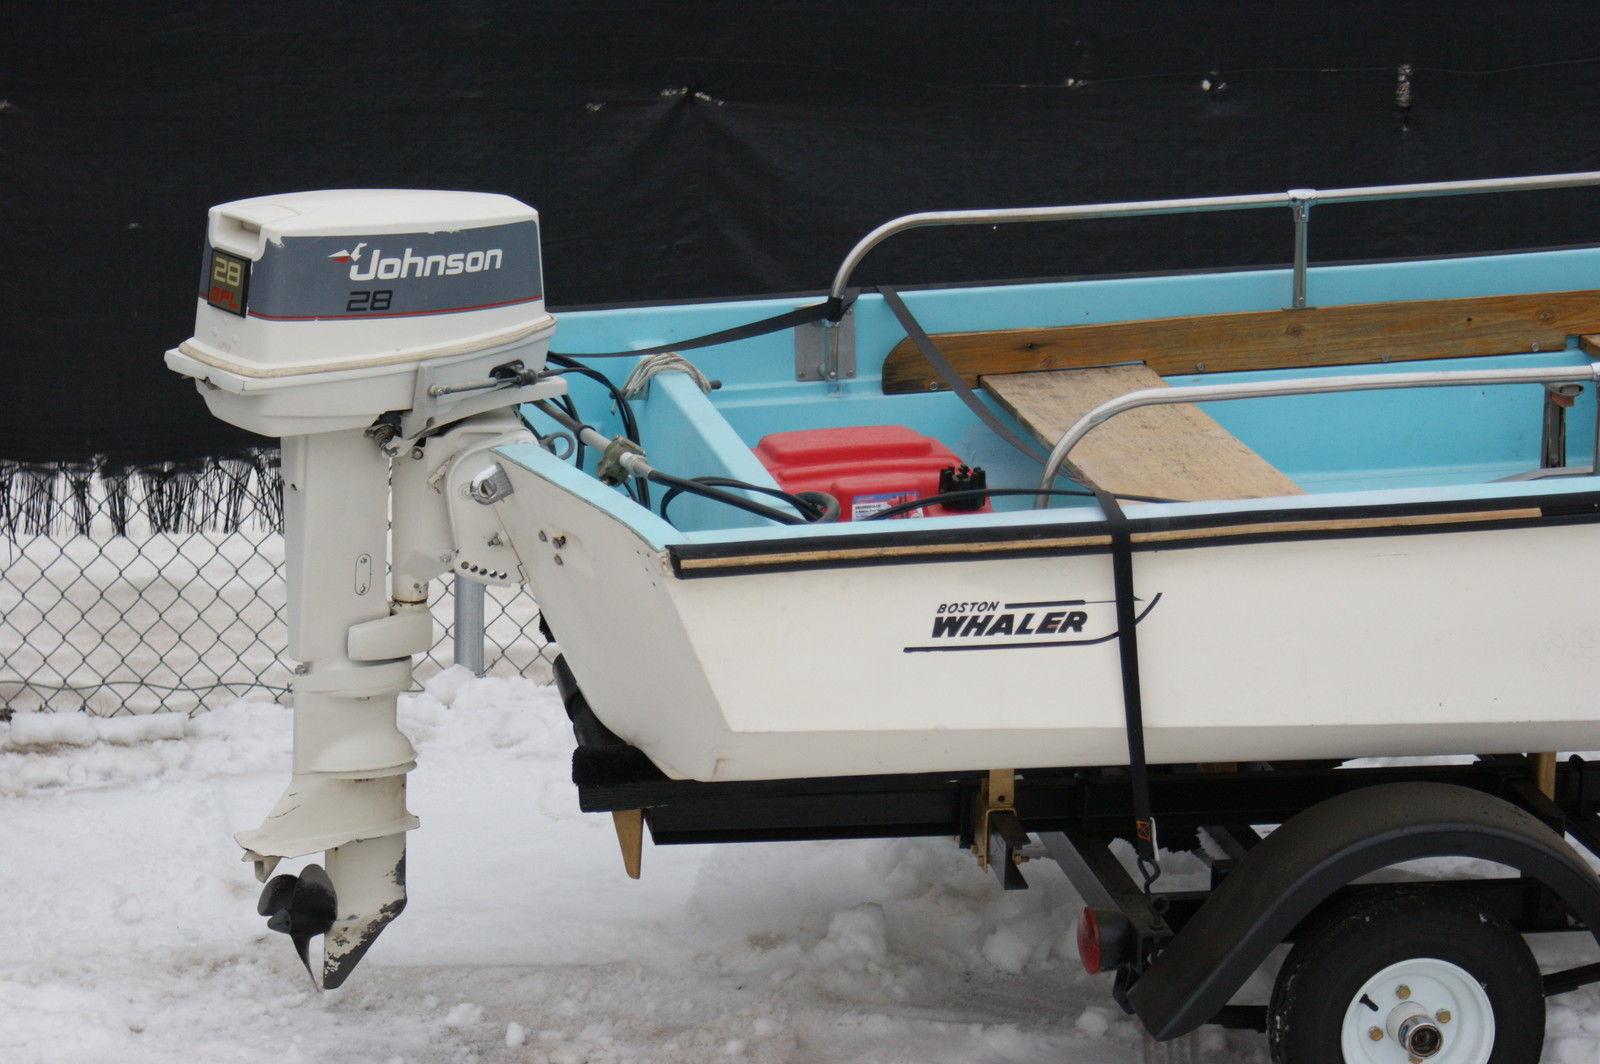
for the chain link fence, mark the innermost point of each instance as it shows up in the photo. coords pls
(116, 599)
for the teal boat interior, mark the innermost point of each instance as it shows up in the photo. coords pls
(1405, 444)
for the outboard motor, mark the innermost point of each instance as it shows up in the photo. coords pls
(376, 332)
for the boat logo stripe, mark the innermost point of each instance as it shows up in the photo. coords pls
(986, 628)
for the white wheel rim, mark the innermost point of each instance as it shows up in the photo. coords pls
(1467, 1020)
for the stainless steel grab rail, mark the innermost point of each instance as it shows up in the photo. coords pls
(1207, 393)
(1298, 200)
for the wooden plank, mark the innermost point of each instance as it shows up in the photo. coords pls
(1265, 339)
(1170, 452)
(877, 553)
(1544, 772)
(1421, 523)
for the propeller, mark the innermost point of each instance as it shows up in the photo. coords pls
(301, 907)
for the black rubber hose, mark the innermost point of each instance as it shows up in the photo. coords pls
(700, 486)
(566, 403)
(630, 424)
(979, 493)
(695, 487)
(827, 504)
(816, 507)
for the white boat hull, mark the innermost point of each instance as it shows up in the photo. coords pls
(1441, 635)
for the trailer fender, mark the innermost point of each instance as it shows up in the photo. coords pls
(1324, 848)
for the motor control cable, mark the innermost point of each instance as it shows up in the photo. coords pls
(817, 507)
(630, 424)
(968, 494)
(622, 458)
(830, 309)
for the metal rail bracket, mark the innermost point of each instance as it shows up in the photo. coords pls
(825, 350)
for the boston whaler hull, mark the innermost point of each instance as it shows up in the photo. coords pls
(1419, 625)
(1405, 599)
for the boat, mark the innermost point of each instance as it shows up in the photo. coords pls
(1048, 566)
(1366, 550)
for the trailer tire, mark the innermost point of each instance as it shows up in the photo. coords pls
(1389, 962)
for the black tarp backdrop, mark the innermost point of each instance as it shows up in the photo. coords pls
(680, 150)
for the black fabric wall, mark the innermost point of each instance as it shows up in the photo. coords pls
(692, 149)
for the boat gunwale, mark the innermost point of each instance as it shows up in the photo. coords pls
(1209, 528)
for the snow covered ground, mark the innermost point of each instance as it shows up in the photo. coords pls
(129, 932)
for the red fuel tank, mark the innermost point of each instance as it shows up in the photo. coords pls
(866, 467)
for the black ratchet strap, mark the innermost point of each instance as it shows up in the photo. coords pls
(1132, 701)
(830, 309)
(951, 378)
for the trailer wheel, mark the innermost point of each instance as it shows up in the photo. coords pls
(1403, 977)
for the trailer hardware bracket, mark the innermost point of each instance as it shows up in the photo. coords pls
(630, 836)
(1005, 842)
(999, 838)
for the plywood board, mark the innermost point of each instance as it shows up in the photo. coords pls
(1265, 339)
(1169, 452)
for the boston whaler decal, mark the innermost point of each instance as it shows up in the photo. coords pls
(997, 625)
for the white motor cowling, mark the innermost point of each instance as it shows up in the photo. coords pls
(319, 311)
